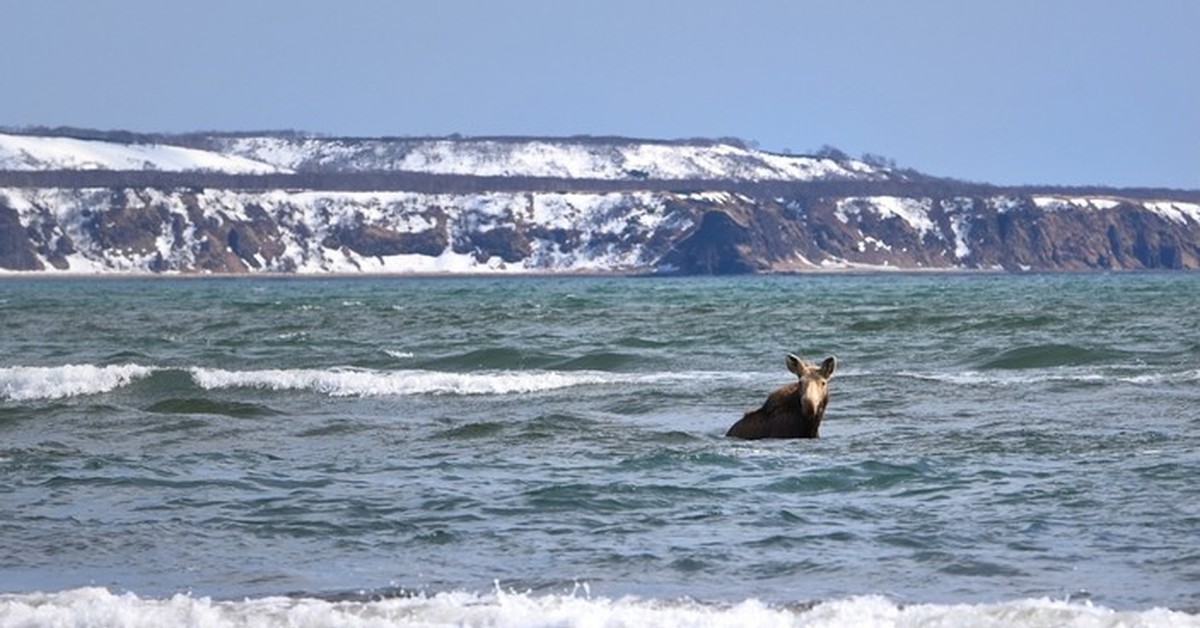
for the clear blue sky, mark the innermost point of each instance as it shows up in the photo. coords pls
(1005, 91)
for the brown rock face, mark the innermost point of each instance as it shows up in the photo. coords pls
(719, 246)
(984, 233)
(16, 249)
(507, 243)
(1125, 236)
(380, 242)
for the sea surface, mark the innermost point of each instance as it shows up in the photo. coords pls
(998, 450)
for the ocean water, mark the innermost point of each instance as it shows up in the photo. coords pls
(998, 450)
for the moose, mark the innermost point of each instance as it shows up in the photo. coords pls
(794, 410)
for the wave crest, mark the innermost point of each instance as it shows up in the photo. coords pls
(346, 382)
(26, 383)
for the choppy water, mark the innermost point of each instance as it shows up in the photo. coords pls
(532, 451)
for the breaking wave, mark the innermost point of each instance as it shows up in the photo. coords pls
(1061, 375)
(365, 383)
(25, 383)
(97, 606)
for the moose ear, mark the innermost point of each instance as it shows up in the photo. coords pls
(795, 364)
(828, 366)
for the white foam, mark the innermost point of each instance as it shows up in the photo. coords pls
(99, 607)
(346, 382)
(975, 378)
(25, 383)
(1022, 377)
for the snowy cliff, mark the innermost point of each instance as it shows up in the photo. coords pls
(514, 205)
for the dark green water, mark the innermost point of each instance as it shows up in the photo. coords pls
(989, 437)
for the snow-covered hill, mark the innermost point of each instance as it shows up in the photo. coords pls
(563, 158)
(571, 158)
(31, 152)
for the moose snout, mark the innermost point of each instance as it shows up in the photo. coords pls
(813, 405)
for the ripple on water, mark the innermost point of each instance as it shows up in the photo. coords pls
(1050, 355)
(470, 431)
(199, 405)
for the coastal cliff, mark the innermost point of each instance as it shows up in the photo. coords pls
(298, 204)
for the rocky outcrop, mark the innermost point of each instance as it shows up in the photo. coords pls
(993, 233)
(721, 245)
(1064, 235)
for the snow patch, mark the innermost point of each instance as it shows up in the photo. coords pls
(1004, 204)
(959, 211)
(1176, 211)
(913, 211)
(875, 243)
(1063, 203)
(834, 262)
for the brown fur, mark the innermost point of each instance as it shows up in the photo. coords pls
(794, 410)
